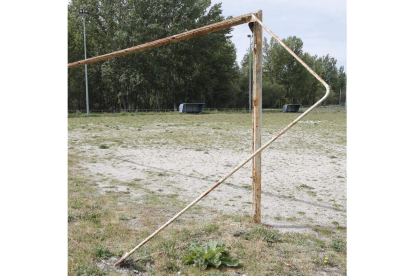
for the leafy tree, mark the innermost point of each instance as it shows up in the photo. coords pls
(283, 68)
(200, 69)
(299, 85)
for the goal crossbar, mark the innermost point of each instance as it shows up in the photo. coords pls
(245, 18)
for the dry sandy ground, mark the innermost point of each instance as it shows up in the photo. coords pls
(302, 186)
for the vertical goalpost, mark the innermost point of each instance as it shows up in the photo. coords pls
(257, 121)
(255, 19)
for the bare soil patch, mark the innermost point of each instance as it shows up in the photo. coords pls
(303, 173)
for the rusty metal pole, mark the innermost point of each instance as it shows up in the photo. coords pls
(231, 22)
(257, 120)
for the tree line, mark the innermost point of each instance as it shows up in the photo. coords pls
(201, 69)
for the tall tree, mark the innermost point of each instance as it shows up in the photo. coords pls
(200, 69)
(299, 85)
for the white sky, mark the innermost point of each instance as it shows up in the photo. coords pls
(321, 24)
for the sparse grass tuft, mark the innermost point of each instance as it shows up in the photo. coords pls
(211, 228)
(323, 231)
(339, 245)
(102, 252)
(91, 269)
(304, 186)
(267, 235)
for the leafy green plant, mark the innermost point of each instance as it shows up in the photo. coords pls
(212, 254)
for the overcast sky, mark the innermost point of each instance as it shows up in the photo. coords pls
(321, 24)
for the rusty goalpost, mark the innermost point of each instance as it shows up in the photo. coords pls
(255, 22)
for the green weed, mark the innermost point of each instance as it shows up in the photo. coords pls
(212, 254)
(102, 252)
(338, 245)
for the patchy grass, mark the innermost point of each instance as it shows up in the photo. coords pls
(178, 129)
(304, 186)
(101, 229)
(103, 225)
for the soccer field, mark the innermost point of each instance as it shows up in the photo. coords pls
(152, 165)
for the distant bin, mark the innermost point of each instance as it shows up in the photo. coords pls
(291, 107)
(191, 107)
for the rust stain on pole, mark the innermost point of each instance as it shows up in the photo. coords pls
(257, 121)
(171, 39)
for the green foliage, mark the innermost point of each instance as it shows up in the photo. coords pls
(268, 235)
(297, 85)
(323, 231)
(211, 228)
(201, 69)
(211, 253)
(338, 245)
(102, 252)
(304, 186)
(86, 269)
(263, 233)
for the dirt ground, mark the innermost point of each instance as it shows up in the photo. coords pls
(303, 172)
